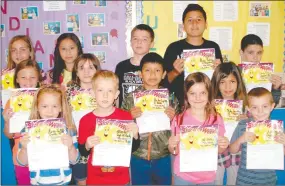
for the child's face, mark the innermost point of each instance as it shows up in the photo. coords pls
(228, 87)
(27, 78)
(141, 42)
(197, 96)
(252, 53)
(152, 74)
(260, 107)
(86, 71)
(194, 24)
(68, 51)
(49, 105)
(106, 92)
(20, 51)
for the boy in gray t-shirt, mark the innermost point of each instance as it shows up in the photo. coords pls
(261, 104)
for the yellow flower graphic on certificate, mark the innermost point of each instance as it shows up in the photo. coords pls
(192, 140)
(145, 103)
(39, 132)
(106, 133)
(192, 65)
(8, 81)
(22, 103)
(260, 134)
(79, 102)
(251, 75)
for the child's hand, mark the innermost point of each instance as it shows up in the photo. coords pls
(276, 81)
(24, 140)
(136, 112)
(280, 138)
(248, 137)
(134, 129)
(242, 117)
(216, 63)
(173, 142)
(92, 141)
(67, 141)
(170, 112)
(179, 65)
(223, 142)
(7, 114)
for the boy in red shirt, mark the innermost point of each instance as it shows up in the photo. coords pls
(105, 85)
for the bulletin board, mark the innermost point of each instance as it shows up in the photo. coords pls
(161, 15)
(100, 26)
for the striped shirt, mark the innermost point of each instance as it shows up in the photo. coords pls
(60, 176)
(250, 176)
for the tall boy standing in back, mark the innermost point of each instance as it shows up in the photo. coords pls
(194, 23)
(142, 37)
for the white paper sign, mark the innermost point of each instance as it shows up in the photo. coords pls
(260, 29)
(54, 5)
(178, 8)
(6, 94)
(225, 10)
(223, 36)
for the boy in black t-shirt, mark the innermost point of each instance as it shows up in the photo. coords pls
(142, 39)
(194, 23)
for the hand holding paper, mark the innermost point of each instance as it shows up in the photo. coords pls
(173, 142)
(179, 65)
(223, 142)
(67, 140)
(248, 137)
(280, 138)
(92, 141)
(25, 140)
(7, 114)
(134, 129)
(136, 112)
(170, 112)
(276, 81)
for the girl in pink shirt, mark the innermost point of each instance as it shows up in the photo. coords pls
(198, 110)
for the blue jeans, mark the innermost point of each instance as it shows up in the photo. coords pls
(153, 172)
(180, 181)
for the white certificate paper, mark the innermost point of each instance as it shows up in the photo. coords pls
(153, 122)
(115, 146)
(45, 149)
(260, 29)
(198, 148)
(225, 10)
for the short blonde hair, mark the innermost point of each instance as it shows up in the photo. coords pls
(65, 112)
(105, 74)
(259, 92)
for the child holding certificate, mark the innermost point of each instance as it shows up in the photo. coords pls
(198, 111)
(261, 104)
(85, 66)
(27, 75)
(227, 84)
(105, 86)
(251, 50)
(150, 164)
(49, 103)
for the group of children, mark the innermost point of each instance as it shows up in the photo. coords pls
(155, 156)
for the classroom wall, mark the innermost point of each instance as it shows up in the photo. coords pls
(122, 16)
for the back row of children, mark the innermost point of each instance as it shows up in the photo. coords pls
(150, 162)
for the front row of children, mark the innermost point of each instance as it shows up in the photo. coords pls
(151, 160)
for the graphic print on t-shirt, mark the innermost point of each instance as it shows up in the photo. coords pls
(131, 82)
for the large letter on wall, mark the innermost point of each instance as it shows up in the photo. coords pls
(10, 23)
(4, 9)
(39, 47)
